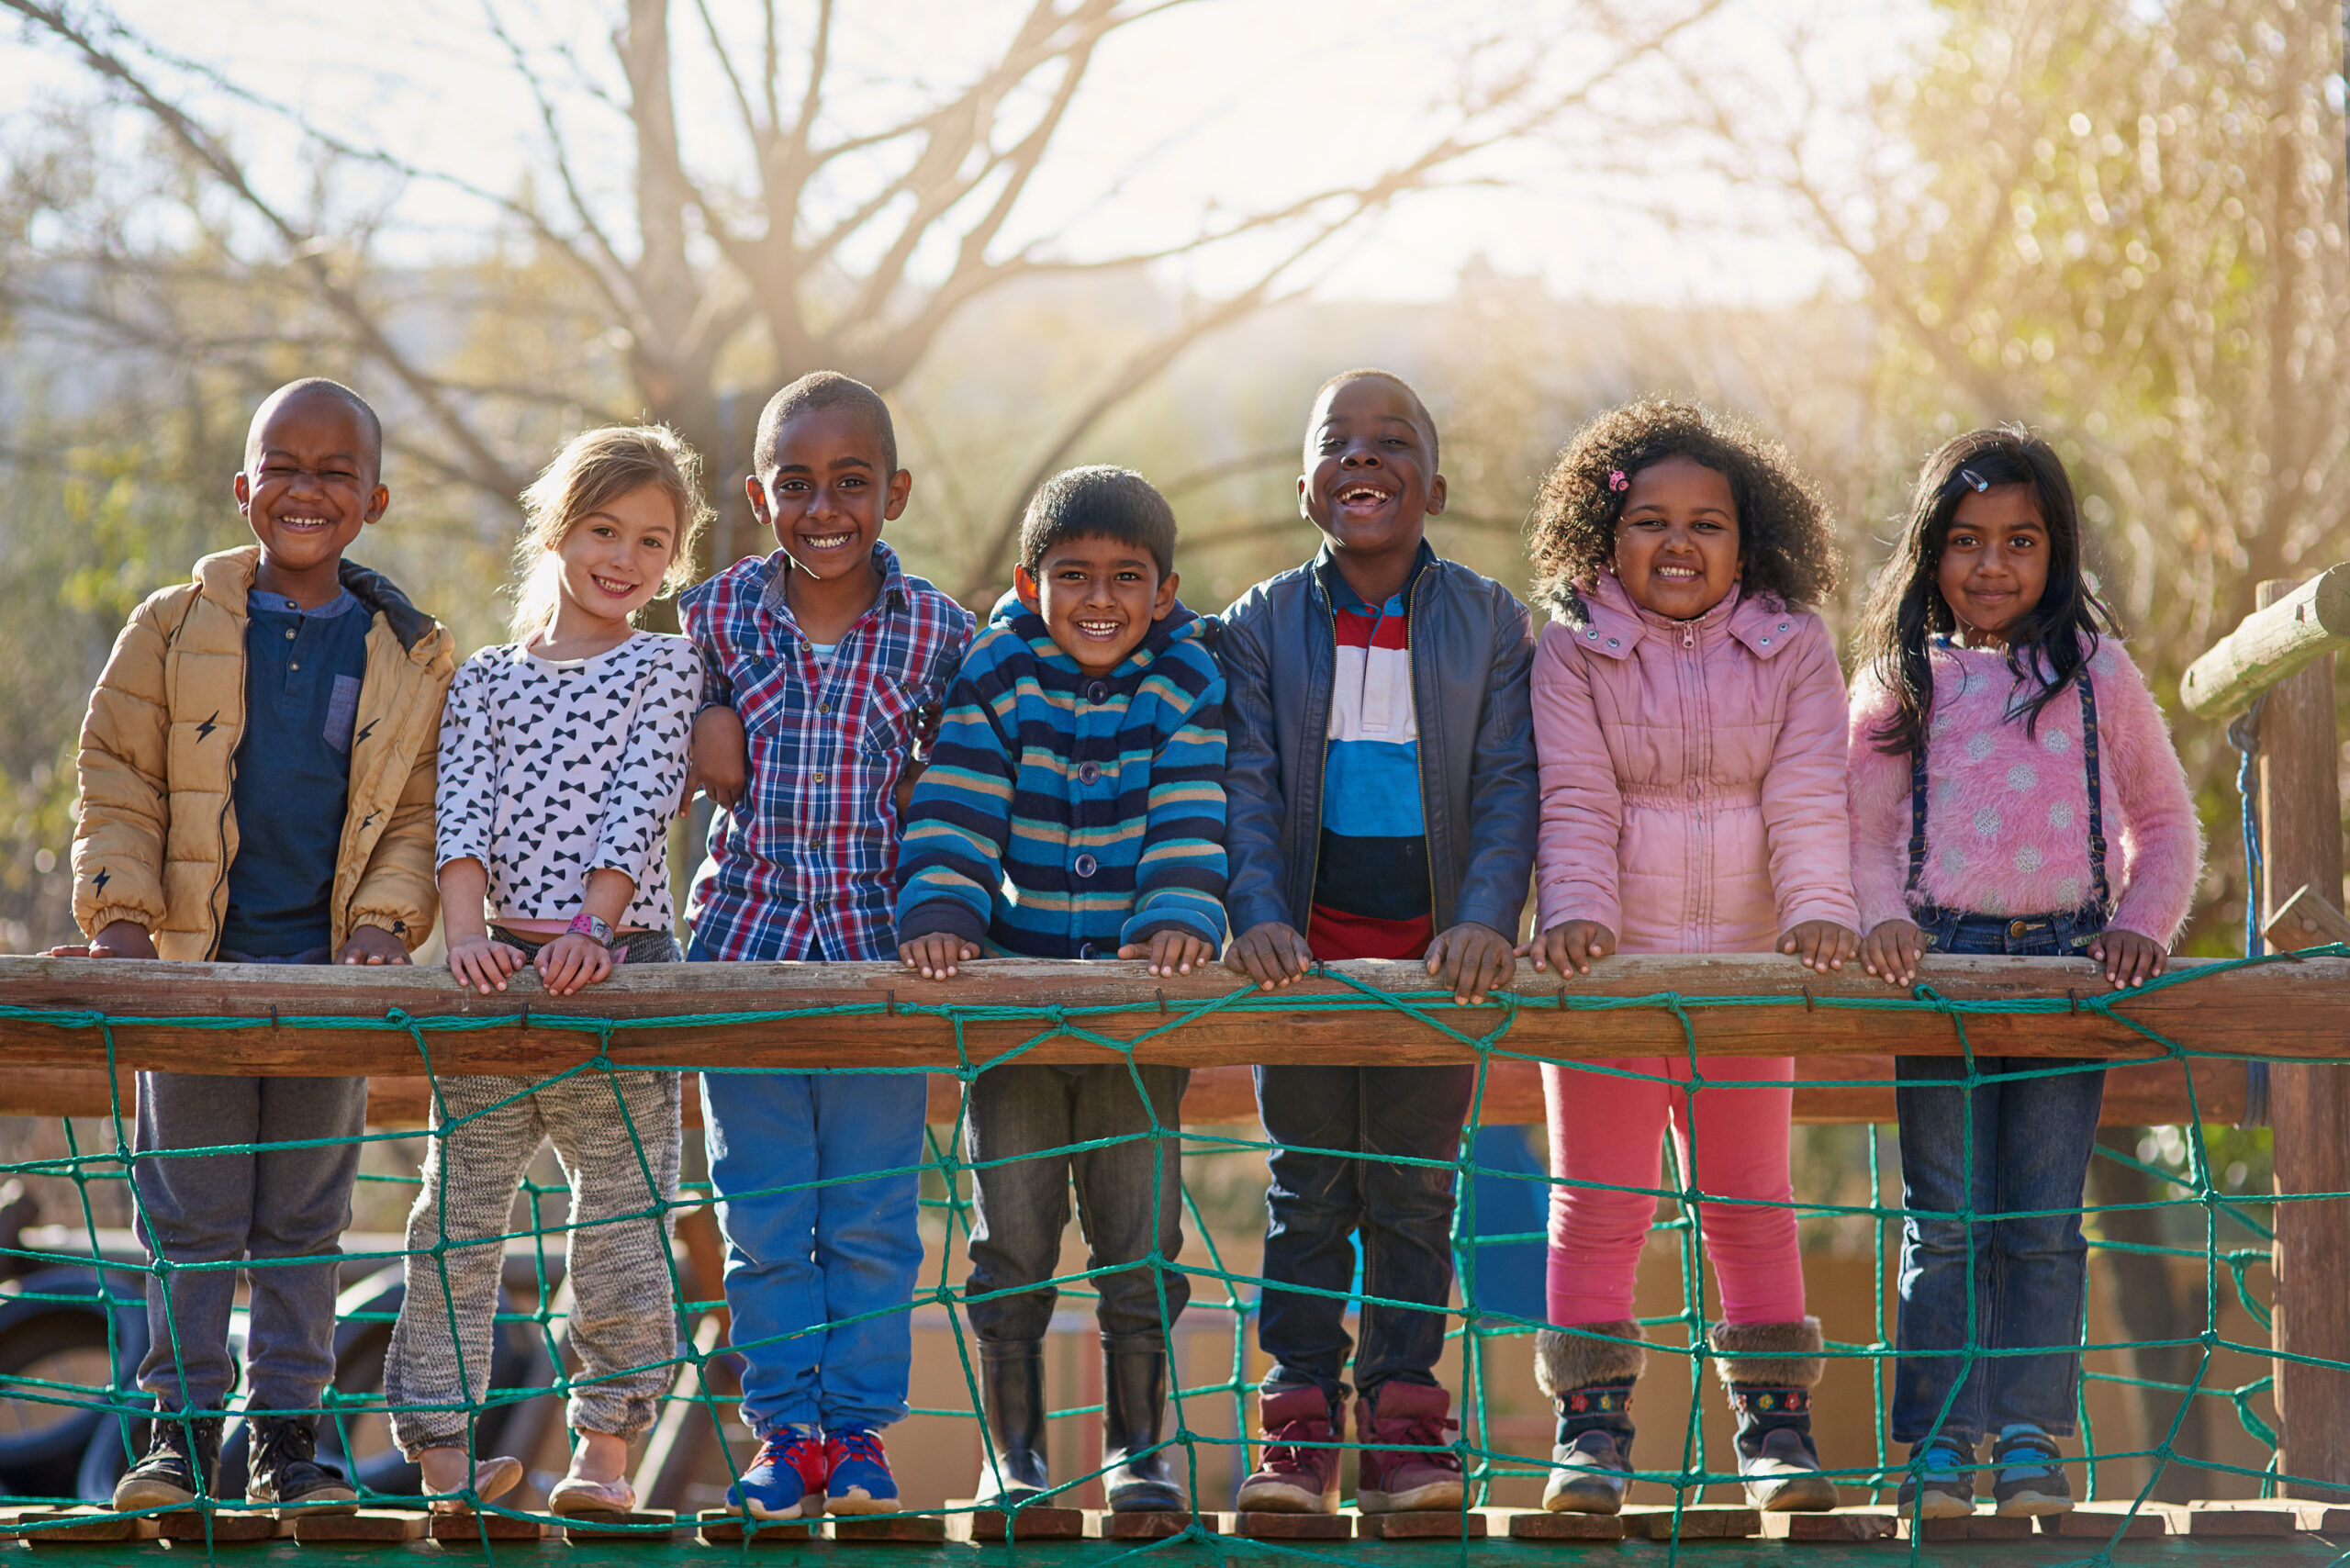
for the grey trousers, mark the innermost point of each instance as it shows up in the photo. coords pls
(1129, 1194)
(262, 1206)
(623, 1316)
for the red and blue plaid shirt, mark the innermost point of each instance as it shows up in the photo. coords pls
(807, 861)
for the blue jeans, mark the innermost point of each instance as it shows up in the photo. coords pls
(2018, 1266)
(1364, 1117)
(815, 1239)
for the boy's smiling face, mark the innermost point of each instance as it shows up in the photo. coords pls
(828, 489)
(310, 483)
(1098, 597)
(1370, 482)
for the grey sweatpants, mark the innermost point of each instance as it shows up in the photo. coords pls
(623, 1316)
(260, 1204)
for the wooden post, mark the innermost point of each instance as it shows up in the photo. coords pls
(2301, 837)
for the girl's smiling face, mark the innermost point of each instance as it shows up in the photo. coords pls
(1677, 550)
(613, 559)
(1994, 564)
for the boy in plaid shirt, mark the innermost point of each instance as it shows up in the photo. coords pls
(828, 655)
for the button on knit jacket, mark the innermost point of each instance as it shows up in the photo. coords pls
(1692, 774)
(158, 765)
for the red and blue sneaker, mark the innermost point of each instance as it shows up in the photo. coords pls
(858, 1479)
(787, 1480)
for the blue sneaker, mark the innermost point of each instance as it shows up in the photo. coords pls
(2030, 1478)
(1941, 1483)
(858, 1474)
(787, 1480)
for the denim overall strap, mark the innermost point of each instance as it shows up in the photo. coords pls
(2102, 891)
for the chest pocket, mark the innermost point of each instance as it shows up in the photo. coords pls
(759, 691)
(893, 714)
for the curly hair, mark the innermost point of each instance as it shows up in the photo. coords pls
(1783, 530)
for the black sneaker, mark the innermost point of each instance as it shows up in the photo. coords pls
(183, 1463)
(2030, 1473)
(285, 1471)
(1941, 1482)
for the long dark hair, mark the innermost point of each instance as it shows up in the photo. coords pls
(1906, 607)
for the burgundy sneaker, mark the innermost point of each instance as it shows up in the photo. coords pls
(1299, 1473)
(1408, 1463)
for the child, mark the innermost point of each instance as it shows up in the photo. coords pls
(1689, 716)
(562, 754)
(1382, 806)
(1074, 809)
(830, 654)
(1999, 734)
(256, 775)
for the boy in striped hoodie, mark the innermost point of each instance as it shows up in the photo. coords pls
(1074, 809)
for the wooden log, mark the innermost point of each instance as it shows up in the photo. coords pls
(2239, 1518)
(689, 1014)
(2292, 630)
(2300, 835)
(906, 1530)
(1430, 1524)
(81, 1526)
(726, 1527)
(1839, 1525)
(367, 1524)
(1538, 1525)
(471, 1529)
(1291, 1527)
(2306, 920)
(1981, 1525)
(1035, 1522)
(2106, 1521)
(654, 1526)
(1149, 1525)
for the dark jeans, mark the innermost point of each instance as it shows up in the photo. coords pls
(282, 1211)
(1129, 1194)
(1337, 1133)
(2017, 1268)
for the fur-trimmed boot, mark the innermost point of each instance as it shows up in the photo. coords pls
(1589, 1374)
(1770, 1369)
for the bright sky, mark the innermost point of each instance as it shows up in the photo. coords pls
(1221, 105)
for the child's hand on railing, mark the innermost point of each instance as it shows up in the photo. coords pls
(572, 960)
(121, 939)
(2128, 958)
(1820, 945)
(1272, 954)
(1891, 951)
(937, 955)
(1171, 952)
(483, 963)
(371, 945)
(1570, 945)
(1472, 959)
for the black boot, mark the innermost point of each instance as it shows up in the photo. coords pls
(1589, 1375)
(1011, 1388)
(1135, 1475)
(285, 1469)
(1770, 1369)
(183, 1461)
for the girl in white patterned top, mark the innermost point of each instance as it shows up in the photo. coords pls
(563, 761)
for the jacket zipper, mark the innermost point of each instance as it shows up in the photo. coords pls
(1322, 780)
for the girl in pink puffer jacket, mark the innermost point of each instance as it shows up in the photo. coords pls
(1689, 719)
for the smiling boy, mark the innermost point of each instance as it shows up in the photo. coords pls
(1382, 805)
(257, 777)
(830, 654)
(1074, 809)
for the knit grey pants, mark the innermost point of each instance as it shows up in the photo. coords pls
(624, 1317)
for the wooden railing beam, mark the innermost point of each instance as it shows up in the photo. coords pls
(2291, 630)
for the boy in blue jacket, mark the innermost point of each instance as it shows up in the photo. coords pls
(1074, 809)
(1382, 805)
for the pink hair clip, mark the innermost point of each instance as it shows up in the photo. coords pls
(1615, 480)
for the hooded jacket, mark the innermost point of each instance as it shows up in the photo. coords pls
(1064, 816)
(1693, 773)
(158, 827)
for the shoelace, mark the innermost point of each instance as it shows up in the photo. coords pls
(1300, 1444)
(803, 1452)
(2028, 1459)
(857, 1445)
(1941, 1464)
(280, 1443)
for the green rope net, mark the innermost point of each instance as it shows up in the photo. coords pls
(1504, 1455)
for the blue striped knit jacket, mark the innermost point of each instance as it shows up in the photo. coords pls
(1063, 816)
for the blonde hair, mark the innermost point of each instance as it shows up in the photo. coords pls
(594, 469)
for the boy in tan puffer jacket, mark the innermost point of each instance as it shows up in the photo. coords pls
(256, 776)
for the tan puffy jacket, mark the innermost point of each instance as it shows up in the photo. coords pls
(159, 827)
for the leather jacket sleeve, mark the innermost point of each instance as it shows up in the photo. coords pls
(1254, 807)
(1504, 795)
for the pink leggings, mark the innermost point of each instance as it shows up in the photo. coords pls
(1611, 1131)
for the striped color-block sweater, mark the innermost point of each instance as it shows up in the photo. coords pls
(1065, 815)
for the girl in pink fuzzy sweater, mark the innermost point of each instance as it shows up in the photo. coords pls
(2013, 790)
(1689, 719)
